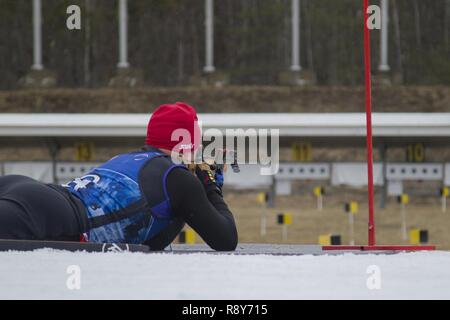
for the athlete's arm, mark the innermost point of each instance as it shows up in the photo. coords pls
(204, 211)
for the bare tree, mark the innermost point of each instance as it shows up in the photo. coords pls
(309, 40)
(398, 39)
(447, 25)
(87, 43)
(417, 24)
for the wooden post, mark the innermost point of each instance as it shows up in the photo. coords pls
(444, 194)
(284, 219)
(318, 192)
(352, 229)
(404, 200)
(351, 208)
(262, 199)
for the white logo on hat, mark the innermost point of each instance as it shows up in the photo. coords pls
(186, 146)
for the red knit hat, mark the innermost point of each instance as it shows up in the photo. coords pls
(166, 119)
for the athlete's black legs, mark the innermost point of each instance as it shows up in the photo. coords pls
(32, 210)
(165, 237)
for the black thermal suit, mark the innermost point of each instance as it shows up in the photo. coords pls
(36, 211)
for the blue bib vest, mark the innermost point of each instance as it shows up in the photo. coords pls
(116, 207)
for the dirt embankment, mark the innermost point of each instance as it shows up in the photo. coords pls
(229, 99)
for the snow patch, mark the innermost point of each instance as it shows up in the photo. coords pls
(42, 274)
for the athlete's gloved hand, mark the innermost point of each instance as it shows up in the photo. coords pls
(219, 177)
(206, 177)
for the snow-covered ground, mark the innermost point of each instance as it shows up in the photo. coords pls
(43, 274)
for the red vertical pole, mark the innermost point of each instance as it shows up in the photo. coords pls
(369, 124)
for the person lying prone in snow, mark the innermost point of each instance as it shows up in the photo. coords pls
(141, 197)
